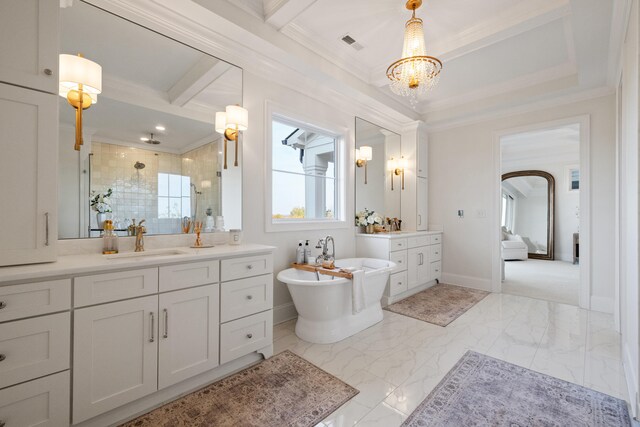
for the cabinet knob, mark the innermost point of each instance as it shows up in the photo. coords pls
(48, 72)
(2, 357)
(249, 267)
(249, 336)
(249, 297)
(2, 305)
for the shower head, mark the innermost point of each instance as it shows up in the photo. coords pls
(151, 140)
(139, 165)
(195, 190)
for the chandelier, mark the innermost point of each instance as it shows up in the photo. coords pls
(415, 73)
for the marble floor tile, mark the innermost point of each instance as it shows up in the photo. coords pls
(373, 389)
(568, 365)
(604, 342)
(348, 415)
(605, 375)
(383, 415)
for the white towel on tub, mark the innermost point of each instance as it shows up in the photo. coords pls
(357, 291)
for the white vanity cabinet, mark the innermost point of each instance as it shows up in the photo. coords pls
(417, 256)
(29, 36)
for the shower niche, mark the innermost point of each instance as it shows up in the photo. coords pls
(150, 137)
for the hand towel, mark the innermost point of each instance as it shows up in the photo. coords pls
(357, 291)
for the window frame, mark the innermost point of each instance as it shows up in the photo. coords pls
(284, 115)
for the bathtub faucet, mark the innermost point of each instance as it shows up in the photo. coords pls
(325, 250)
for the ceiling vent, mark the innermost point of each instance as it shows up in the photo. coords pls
(352, 42)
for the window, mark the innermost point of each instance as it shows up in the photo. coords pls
(174, 196)
(508, 210)
(304, 174)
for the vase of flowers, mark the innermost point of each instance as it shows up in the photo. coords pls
(368, 219)
(101, 203)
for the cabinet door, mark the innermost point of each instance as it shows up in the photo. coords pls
(115, 355)
(29, 43)
(418, 267)
(29, 173)
(421, 204)
(189, 333)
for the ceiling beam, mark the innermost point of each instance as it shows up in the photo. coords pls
(198, 78)
(279, 13)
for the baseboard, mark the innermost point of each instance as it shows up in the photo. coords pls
(284, 312)
(567, 257)
(390, 300)
(602, 304)
(467, 281)
(630, 376)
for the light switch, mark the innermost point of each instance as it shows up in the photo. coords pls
(460, 213)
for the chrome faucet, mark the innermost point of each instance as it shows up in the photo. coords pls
(325, 250)
(140, 230)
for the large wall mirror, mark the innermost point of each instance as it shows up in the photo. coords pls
(150, 140)
(378, 188)
(527, 210)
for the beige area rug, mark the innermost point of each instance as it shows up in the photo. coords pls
(482, 391)
(284, 390)
(440, 304)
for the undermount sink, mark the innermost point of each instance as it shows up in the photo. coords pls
(157, 252)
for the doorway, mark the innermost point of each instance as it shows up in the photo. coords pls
(542, 190)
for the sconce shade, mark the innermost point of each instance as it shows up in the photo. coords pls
(402, 163)
(76, 71)
(221, 121)
(237, 117)
(366, 153)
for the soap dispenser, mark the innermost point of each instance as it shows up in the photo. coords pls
(109, 239)
(300, 253)
(307, 253)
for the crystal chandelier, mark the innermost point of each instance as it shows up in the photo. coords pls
(415, 73)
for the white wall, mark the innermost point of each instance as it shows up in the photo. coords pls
(461, 176)
(628, 207)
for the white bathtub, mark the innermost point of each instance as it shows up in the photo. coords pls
(324, 306)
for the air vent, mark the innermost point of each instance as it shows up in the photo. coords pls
(352, 42)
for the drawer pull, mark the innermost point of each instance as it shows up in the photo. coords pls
(2, 305)
(249, 336)
(152, 322)
(2, 357)
(249, 267)
(249, 297)
(166, 323)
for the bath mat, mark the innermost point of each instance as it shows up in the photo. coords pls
(284, 390)
(482, 391)
(440, 304)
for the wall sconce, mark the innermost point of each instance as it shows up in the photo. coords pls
(80, 83)
(397, 167)
(229, 123)
(364, 155)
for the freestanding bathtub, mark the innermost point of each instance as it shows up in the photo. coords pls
(324, 302)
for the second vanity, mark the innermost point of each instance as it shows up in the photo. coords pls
(418, 258)
(94, 340)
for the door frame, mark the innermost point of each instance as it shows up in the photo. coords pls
(584, 122)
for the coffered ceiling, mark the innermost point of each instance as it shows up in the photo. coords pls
(496, 53)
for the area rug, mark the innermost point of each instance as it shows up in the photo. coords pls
(440, 304)
(482, 391)
(284, 390)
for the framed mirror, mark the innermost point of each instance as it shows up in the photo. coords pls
(528, 211)
(150, 148)
(378, 156)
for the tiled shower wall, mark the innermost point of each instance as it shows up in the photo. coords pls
(135, 191)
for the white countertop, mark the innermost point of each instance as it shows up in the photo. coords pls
(398, 234)
(67, 265)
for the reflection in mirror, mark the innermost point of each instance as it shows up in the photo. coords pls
(150, 138)
(527, 212)
(386, 154)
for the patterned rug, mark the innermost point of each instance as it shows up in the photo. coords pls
(284, 390)
(483, 391)
(440, 304)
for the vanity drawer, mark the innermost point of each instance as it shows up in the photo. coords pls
(187, 275)
(241, 298)
(239, 268)
(398, 283)
(436, 239)
(397, 244)
(107, 287)
(415, 242)
(400, 258)
(35, 347)
(43, 402)
(435, 253)
(436, 270)
(245, 335)
(32, 299)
